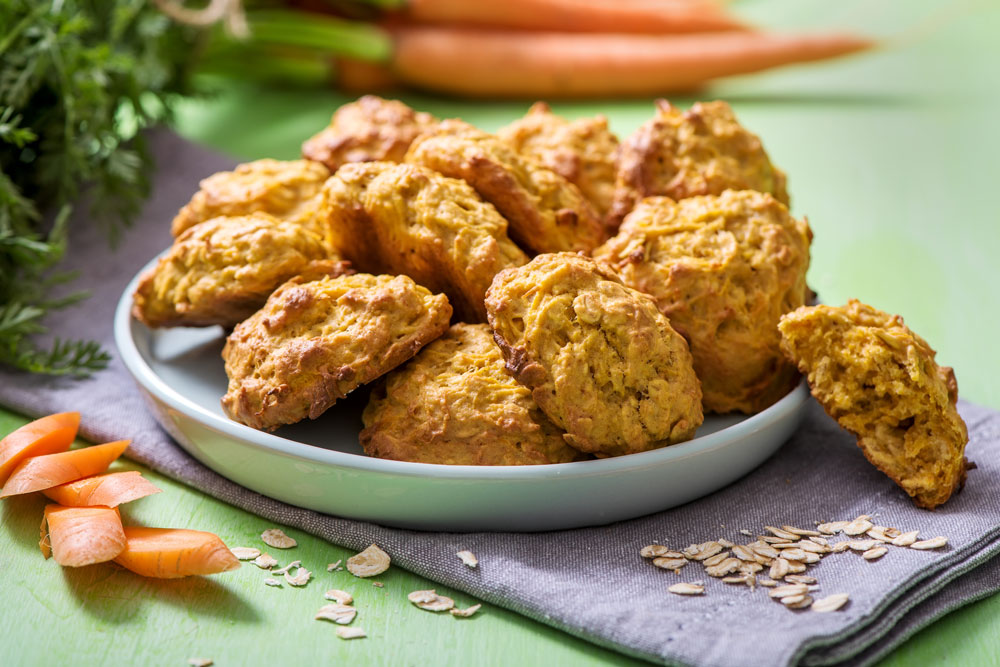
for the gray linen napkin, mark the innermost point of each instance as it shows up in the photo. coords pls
(591, 582)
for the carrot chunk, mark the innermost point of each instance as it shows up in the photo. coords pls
(44, 472)
(78, 536)
(170, 553)
(47, 435)
(110, 490)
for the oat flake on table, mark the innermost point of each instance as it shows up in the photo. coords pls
(275, 537)
(369, 563)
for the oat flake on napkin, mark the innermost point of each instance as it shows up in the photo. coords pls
(592, 582)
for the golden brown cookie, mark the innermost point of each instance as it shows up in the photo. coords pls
(369, 129)
(455, 403)
(602, 362)
(723, 269)
(680, 154)
(582, 151)
(546, 212)
(403, 218)
(222, 270)
(285, 189)
(314, 342)
(879, 380)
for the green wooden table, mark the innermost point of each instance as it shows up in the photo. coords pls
(893, 157)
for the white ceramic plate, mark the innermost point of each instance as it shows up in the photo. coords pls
(319, 465)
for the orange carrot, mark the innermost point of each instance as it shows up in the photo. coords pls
(78, 536)
(170, 553)
(44, 472)
(483, 63)
(623, 16)
(110, 490)
(47, 435)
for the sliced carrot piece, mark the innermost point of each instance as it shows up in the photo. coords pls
(44, 472)
(79, 536)
(47, 435)
(110, 490)
(170, 553)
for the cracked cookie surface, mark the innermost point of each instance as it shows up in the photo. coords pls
(880, 381)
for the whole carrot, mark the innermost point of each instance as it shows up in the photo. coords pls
(621, 16)
(487, 63)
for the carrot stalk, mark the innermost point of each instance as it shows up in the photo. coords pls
(47, 435)
(623, 16)
(483, 63)
(110, 490)
(78, 536)
(170, 553)
(44, 472)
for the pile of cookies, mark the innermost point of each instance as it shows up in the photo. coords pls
(544, 294)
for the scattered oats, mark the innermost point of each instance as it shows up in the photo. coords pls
(468, 558)
(810, 558)
(341, 614)
(830, 602)
(859, 526)
(788, 591)
(378, 584)
(800, 579)
(339, 596)
(272, 582)
(265, 561)
(725, 543)
(799, 531)
(245, 553)
(727, 566)
(779, 568)
(832, 528)
(430, 600)
(752, 581)
(751, 568)
(687, 589)
(702, 551)
(670, 563)
(822, 541)
(840, 546)
(793, 554)
(744, 531)
(892, 533)
(861, 545)
(785, 545)
(287, 568)
(467, 612)
(275, 537)
(767, 583)
(654, 551)
(332, 566)
(933, 543)
(734, 580)
(805, 601)
(778, 532)
(369, 563)
(350, 633)
(875, 553)
(792, 599)
(795, 567)
(814, 547)
(766, 551)
(771, 539)
(905, 539)
(301, 577)
(878, 533)
(716, 559)
(742, 552)
(204, 662)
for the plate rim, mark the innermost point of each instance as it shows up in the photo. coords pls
(148, 380)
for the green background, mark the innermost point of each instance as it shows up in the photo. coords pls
(893, 156)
